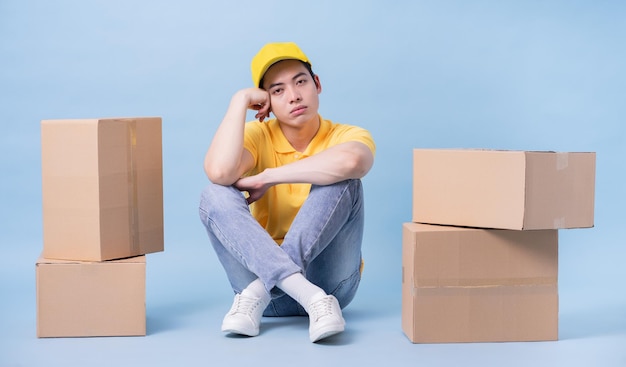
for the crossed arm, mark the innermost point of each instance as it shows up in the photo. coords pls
(227, 160)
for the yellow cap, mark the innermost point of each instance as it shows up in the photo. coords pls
(272, 53)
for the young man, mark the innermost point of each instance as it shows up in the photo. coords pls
(284, 209)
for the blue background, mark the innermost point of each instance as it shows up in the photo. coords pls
(522, 75)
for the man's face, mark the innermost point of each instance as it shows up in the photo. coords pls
(294, 93)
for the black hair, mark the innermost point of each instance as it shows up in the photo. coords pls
(306, 65)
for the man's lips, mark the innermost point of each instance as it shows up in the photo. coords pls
(298, 110)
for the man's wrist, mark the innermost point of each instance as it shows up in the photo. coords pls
(241, 98)
(268, 177)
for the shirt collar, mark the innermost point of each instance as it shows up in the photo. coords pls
(282, 145)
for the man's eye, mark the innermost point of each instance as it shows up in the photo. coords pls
(277, 91)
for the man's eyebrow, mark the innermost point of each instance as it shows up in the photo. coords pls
(298, 75)
(274, 85)
(294, 78)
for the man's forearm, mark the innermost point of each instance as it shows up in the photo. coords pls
(341, 162)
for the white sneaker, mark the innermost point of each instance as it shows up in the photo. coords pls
(244, 317)
(325, 318)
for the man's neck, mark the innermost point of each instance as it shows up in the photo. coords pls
(300, 137)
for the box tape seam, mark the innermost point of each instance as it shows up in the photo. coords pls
(482, 283)
(562, 160)
(131, 165)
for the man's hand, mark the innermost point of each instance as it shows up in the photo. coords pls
(259, 100)
(255, 186)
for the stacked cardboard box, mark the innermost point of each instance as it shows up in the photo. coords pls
(480, 257)
(102, 193)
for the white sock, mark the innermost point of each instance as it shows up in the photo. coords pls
(300, 289)
(256, 289)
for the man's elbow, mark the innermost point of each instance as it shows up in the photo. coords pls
(219, 176)
(360, 164)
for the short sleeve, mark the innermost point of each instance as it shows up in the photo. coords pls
(346, 133)
(253, 137)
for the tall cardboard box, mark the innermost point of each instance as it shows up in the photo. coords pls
(81, 299)
(478, 285)
(102, 188)
(504, 189)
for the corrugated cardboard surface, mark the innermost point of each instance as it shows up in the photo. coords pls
(503, 189)
(479, 285)
(102, 188)
(82, 299)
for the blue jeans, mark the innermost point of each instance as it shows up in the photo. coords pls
(323, 242)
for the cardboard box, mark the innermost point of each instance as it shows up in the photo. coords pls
(504, 189)
(102, 188)
(78, 299)
(478, 285)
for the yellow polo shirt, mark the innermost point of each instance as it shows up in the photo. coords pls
(276, 210)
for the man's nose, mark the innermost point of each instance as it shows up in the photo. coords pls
(295, 95)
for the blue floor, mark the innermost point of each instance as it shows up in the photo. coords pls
(187, 296)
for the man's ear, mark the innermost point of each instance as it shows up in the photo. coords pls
(316, 79)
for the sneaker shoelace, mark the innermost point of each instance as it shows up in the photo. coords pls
(322, 308)
(245, 305)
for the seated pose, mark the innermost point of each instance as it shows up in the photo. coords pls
(284, 206)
